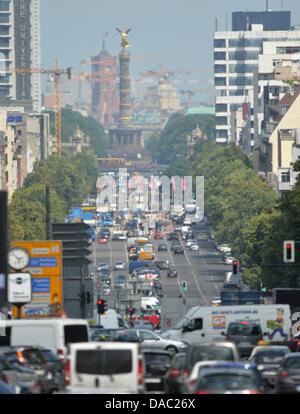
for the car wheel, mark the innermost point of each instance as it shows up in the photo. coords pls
(172, 349)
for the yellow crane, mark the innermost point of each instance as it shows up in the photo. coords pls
(56, 73)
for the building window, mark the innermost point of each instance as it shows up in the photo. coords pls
(4, 18)
(237, 92)
(4, 42)
(222, 133)
(221, 108)
(219, 43)
(286, 177)
(241, 81)
(220, 81)
(220, 68)
(241, 68)
(220, 55)
(221, 120)
(288, 50)
(236, 43)
(4, 6)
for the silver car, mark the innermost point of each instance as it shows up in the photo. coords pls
(151, 340)
(120, 266)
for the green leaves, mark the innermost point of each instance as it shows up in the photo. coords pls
(71, 179)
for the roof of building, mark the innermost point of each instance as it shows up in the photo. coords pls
(210, 110)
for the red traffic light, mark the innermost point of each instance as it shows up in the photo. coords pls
(99, 302)
(235, 265)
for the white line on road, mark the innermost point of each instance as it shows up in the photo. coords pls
(194, 276)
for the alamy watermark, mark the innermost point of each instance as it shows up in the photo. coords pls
(153, 194)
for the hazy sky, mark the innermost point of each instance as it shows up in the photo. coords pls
(175, 33)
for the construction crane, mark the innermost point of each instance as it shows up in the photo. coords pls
(191, 93)
(112, 60)
(56, 73)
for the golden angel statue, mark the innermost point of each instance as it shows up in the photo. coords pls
(124, 36)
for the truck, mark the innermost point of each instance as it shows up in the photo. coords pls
(290, 297)
(204, 324)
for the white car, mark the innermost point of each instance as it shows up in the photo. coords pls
(194, 247)
(216, 301)
(189, 243)
(229, 260)
(102, 266)
(120, 265)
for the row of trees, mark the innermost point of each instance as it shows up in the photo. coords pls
(244, 211)
(70, 179)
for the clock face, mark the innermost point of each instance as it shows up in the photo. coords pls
(18, 258)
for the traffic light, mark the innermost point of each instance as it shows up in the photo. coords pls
(235, 267)
(101, 306)
(88, 297)
(289, 251)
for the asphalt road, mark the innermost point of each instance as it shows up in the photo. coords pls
(203, 271)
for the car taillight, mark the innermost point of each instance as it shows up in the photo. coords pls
(174, 373)
(283, 374)
(140, 372)
(61, 353)
(253, 392)
(68, 372)
(201, 392)
(186, 372)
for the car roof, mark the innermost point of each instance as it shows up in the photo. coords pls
(292, 355)
(155, 351)
(225, 370)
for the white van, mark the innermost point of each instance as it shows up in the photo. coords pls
(105, 365)
(112, 320)
(204, 324)
(54, 334)
(150, 303)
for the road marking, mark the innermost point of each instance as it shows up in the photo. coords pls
(110, 253)
(194, 276)
(205, 263)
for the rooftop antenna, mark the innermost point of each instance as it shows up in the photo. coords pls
(267, 5)
(216, 24)
(105, 34)
(226, 22)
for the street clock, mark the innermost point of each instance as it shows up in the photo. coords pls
(18, 258)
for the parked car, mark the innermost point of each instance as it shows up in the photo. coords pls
(120, 266)
(288, 377)
(172, 383)
(268, 360)
(172, 272)
(162, 247)
(231, 378)
(48, 367)
(157, 364)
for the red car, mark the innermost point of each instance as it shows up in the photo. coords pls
(159, 235)
(153, 318)
(102, 240)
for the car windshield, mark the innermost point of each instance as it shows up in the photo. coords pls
(270, 357)
(126, 336)
(49, 356)
(293, 362)
(161, 359)
(211, 353)
(243, 329)
(227, 381)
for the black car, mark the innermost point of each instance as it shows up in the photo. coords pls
(172, 378)
(162, 247)
(157, 364)
(120, 282)
(99, 334)
(172, 236)
(178, 250)
(288, 377)
(44, 362)
(175, 243)
(172, 272)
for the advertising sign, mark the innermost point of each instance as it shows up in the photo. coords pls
(47, 282)
(19, 288)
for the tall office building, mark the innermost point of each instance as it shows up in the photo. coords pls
(20, 48)
(271, 20)
(236, 60)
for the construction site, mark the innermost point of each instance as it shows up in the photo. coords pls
(155, 94)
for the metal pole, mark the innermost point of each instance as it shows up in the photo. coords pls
(48, 214)
(3, 251)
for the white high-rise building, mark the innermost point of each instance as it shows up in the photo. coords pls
(19, 49)
(240, 59)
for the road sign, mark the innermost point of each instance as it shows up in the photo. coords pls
(45, 267)
(19, 288)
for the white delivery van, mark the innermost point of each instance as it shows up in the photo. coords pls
(111, 320)
(106, 365)
(54, 334)
(150, 302)
(204, 324)
(231, 280)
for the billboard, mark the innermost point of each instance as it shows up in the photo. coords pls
(47, 279)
